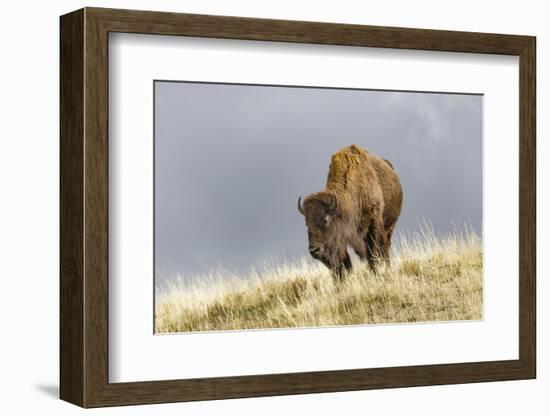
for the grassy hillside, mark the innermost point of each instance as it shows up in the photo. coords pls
(431, 279)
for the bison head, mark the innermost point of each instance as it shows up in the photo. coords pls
(325, 228)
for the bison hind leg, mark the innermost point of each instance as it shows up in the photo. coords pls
(377, 249)
(389, 233)
(371, 252)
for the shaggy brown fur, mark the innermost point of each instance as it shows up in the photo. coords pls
(359, 208)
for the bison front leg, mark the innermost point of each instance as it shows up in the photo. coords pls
(339, 272)
(359, 245)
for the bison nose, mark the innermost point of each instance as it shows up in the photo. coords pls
(314, 250)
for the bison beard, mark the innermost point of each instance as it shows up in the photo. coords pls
(359, 208)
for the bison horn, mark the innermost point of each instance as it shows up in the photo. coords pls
(334, 203)
(300, 207)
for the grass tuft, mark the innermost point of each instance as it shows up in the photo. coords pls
(430, 279)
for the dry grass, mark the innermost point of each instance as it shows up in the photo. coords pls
(431, 279)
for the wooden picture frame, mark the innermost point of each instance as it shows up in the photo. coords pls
(84, 207)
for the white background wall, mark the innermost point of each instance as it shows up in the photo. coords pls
(29, 206)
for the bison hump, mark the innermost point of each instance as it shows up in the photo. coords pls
(345, 164)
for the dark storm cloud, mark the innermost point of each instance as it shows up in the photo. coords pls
(231, 161)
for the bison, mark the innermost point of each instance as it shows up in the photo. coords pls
(359, 208)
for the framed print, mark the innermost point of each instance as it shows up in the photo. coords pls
(254, 207)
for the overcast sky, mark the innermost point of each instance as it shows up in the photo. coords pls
(231, 161)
